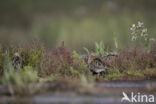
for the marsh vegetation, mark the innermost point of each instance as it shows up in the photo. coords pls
(82, 49)
(68, 70)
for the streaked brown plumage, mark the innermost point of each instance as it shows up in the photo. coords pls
(99, 64)
(17, 61)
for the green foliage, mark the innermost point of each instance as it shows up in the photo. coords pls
(60, 62)
(59, 66)
(150, 73)
(46, 65)
(113, 74)
(47, 78)
(31, 55)
(88, 53)
(25, 68)
(100, 49)
(79, 67)
(2, 58)
(74, 72)
(116, 44)
(135, 73)
(20, 82)
(20, 77)
(11, 49)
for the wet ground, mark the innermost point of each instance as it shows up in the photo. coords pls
(102, 93)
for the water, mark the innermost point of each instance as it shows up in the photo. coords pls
(104, 93)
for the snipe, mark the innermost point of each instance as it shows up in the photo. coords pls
(95, 64)
(17, 61)
(99, 64)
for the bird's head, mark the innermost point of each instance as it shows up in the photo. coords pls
(16, 54)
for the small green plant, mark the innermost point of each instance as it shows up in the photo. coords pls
(99, 49)
(88, 53)
(113, 74)
(47, 78)
(20, 82)
(115, 42)
(74, 72)
(31, 55)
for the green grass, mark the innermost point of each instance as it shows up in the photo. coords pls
(135, 74)
(113, 75)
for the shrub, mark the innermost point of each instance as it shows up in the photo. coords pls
(11, 49)
(153, 56)
(56, 61)
(79, 67)
(20, 81)
(46, 65)
(135, 58)
(31, 54)
(100, 50)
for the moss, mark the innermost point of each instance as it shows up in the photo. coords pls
(113, 74)
(150, 73)
(135, 73)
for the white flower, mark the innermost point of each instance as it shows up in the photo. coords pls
(134, 38)
(140, 24)
(142, 34)
(144, 30)
(145, 39)
(145, 35)
(152, 39)
(133, 25)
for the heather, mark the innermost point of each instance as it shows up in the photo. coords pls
(34, 66)
(42, 65)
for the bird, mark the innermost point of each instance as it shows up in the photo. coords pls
(108, 59)
(95, 64)
(17, 61)
(99, 64)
